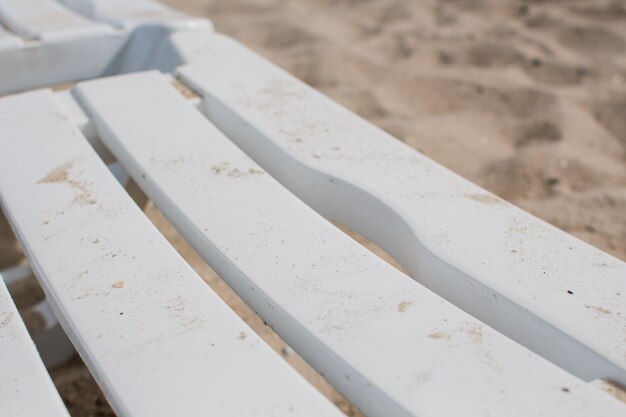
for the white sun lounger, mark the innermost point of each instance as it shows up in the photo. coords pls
(503, 315)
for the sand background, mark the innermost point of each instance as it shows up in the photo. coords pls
(525, 98)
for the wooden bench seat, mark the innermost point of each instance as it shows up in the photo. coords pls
(36, 19)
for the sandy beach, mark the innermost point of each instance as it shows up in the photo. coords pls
(525, 98)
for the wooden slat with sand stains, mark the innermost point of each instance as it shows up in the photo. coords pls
(157, 339)
(389, 344)
(538, 285)
(40, 19)
(25, 386)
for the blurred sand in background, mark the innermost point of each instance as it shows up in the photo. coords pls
(526, 98)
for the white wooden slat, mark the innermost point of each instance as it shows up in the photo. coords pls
(62, 56)
(25, 386)
(80, 120)
(43, 19)
(8, 40)
(544, 288)
(389, 344)
(43, 63)
(157, 339)
(128, 13)
(4, 33)
(62, 45)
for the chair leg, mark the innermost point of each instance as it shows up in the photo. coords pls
(52, 343)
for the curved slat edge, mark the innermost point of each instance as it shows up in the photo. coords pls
(534, 283)
(389, 344)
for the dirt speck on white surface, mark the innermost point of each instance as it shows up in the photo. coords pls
(57, 175)
(184, 90)
(119, 284)
(600, 310)
(404, 306)
(61, 175)
(612, 388)
(438, 336)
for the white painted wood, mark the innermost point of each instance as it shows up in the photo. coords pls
(80, 120)
(41, 19)
(157, 339)
(75, 113)
(63, 58)
(389, 344)
(128, 13)
(8, 40)
(84, 39)
(551, 292)
(25, 386)
(61, 46)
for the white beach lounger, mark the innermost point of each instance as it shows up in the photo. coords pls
(503, 314)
